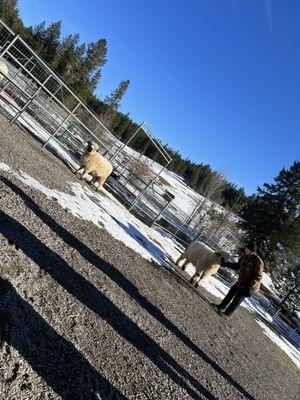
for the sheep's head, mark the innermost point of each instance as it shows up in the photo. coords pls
(92, 147)
(222, 256)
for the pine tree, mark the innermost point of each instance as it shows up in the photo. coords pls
(273, 219)
(114, 99)
(288, 286)
(123, 122)
(67, 57)
(94, 60)
(52, 42)
(113, 102)
(9, 14)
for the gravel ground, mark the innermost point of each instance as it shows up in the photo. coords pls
(84, 317)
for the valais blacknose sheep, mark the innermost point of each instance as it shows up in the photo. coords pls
(93, 163)
(206, 261)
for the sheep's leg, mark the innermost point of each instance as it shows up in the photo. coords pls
(101, 180)
(202, 277)
(80, 171)
(193, 278)
(182, 257)
(196, 277)
(94, 180)
(184, 265)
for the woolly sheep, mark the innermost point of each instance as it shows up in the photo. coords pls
(206, 261)
(93, 163)
(4, 69)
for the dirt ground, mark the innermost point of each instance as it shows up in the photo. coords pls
(84, 317)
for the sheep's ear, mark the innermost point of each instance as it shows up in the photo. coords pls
(97, 147)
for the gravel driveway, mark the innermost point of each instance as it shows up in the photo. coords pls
(84, 317)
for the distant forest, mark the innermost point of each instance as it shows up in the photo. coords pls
(80, 67)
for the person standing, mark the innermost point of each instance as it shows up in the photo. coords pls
(250, 267)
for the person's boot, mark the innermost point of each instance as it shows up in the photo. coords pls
(217, 307)
(223, 314)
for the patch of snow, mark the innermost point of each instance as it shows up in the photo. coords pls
(281, 342)
(103, 210)
(106, 212)
(4, 167)
(267, 282)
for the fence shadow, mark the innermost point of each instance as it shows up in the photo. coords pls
(53, 357)
(123, 283)
(80, 288)
(131, 230)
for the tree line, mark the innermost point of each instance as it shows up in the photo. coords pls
(80, 67)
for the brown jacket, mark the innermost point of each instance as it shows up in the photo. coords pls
(251, 270)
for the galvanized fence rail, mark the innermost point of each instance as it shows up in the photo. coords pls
(37, 98)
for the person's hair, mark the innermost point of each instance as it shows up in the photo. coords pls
(251, 245)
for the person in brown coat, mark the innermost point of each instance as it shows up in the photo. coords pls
(250, 267)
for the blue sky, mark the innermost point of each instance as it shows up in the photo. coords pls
(219, 80)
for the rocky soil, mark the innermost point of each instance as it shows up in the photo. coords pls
(84, 317)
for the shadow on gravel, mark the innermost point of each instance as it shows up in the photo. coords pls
(129, 288)
(142, 240)
(53, 357)
(87, 294)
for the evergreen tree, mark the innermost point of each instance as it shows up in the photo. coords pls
(70, 59)
(150, 151)
(288, 286)
(273, 219)
(181, 166)
(114, 99)
(9, 14)
(194, 176)
(94, 60)
(52, 42)
(113, 102)
(123, 122)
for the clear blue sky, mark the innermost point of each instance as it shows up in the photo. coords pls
(219, 80)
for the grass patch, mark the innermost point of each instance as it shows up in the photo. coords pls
(289, 364)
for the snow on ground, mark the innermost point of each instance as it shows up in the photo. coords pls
(283, 343)
(268, 283)
(106, 212)
(185, 197)
(41, 134)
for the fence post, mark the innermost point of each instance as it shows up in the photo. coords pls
(147, 187)
(125, 144)
(27, 103)
(60, 125)
(9, 46)
(14, 76)
(161, 213)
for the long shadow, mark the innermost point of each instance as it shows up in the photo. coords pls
(123, 283)
(88, 295)
(53, 357)
(142, 240)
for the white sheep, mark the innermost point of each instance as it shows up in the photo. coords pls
(4, 69)
(93, 163)
(205, 260)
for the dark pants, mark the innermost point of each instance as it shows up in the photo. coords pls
(233, 299)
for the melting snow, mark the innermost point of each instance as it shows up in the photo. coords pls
(103, 210)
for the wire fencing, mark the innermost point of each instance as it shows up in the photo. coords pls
(34, 96)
